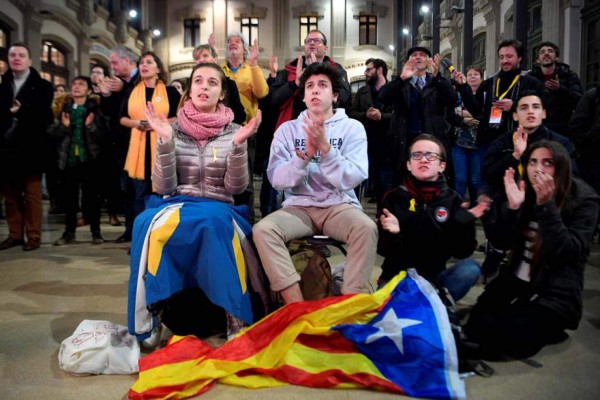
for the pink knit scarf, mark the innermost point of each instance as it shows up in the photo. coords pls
(201, 125)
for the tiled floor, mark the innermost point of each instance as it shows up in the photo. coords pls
(46, 293)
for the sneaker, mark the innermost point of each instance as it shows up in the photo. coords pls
(66, 238)
(97, 239)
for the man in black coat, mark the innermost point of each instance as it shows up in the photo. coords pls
(285, 87)
(123, 62)
(493, 103)
(563, 86)
(420, 100)
(375, 117)
(25, 113)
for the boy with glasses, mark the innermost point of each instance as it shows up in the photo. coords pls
(424, 223)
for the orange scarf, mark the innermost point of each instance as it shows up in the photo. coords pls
(134, 164)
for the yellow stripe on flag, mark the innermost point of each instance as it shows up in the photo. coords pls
(187, 378)
(239, 260)
(159, 238)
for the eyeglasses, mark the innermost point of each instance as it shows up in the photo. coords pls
(313, 40)
(430, 156)
(368, 69)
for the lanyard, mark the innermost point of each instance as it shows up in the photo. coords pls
(507, 90)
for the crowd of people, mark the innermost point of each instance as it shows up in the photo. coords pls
(434, 149)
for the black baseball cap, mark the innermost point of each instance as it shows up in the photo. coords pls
(418, 48)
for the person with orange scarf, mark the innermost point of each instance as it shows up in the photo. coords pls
(149, 88)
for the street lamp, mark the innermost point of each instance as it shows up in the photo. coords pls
(132, 14)
(156, 32)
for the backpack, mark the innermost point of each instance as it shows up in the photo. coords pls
(468, 352)
(313, 268)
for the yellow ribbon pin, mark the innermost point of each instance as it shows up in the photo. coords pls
(214, 151)
(412, 205)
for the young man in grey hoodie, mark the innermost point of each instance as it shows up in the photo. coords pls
(318, 160)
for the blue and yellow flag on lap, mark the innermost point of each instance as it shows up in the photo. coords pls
(185, 242)
(397, 339)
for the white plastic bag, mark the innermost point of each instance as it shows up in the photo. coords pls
(99, 347)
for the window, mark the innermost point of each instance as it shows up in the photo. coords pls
(191, 32)
(54, 64)
(250, 29)
(3, 38)
(367, 29)
(479, 51)
(307, 24)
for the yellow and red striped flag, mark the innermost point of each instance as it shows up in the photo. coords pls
(397, 339)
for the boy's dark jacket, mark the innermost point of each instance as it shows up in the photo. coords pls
(429, 235)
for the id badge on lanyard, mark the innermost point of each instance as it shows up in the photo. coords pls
(495, 112)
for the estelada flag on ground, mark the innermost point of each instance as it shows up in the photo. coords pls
(397, 339)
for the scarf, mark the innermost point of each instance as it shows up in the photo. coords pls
(136, 160)
(424, 191)
(77, 148)
(201, 125)
(287, 108)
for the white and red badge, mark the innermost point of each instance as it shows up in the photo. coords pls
(441, 214)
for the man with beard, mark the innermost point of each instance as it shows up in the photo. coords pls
(563, 85)
(285, 87)
(420, 100)
(367, 108)
(493, 102)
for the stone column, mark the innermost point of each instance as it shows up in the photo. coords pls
(86, 12)
(220, 28)
(84, 45)
(146, 37)
(570, 49)
(33, 35)
(337, 41)
(120, 20)
(491, 38)
(551, 21)
(281, 20)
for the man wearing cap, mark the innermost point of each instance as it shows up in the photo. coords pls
(420, 100)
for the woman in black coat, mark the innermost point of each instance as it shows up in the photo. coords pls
(547, 222)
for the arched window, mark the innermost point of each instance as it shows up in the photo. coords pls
(54, 64)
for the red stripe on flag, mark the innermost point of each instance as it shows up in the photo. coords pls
(334, 343)
(187, 349)
(167, 392)
(326, 379)
(266, 330)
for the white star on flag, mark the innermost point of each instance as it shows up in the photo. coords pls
(391, 326)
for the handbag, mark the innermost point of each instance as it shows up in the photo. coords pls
(99, 347)
(466, 137)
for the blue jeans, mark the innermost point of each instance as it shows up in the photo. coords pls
(467, 170)
(459, 278)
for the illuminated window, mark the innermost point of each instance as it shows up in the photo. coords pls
(54, 64)
(307, 24)
(249, 27)
(367, 29)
